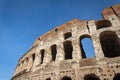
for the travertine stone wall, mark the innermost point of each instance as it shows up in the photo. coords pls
(66, 60)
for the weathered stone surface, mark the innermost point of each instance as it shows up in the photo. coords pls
(58, 55)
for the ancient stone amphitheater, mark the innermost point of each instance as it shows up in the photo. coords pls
(59, 55)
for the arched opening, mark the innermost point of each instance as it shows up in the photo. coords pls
(48, 79)
(91, 77)
(53, 52)
(42, 55)
(56, 29)
(110, 44)
(103, 24)
(117, 77)
(27, 59)
(33, 57)
(68, 49)
(86, 46)
(67, 35)
(66, 78)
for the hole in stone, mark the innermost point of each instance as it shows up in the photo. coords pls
(33, 57)
(68, 49)
(67, 35)
(117, 77)
(110, 44)
(66, 78)
(91, 77)
(48, 79)
(53, 52)
(103, 24)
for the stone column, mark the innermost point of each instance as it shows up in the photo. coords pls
(76, 54)
(20, 66)
(30, 61)
(47, 56)
(76, 50)
(97, 47)
(60, 52)
(38, 58)
(92, 26)
(25, 63)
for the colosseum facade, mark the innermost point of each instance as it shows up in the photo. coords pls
(59, 55)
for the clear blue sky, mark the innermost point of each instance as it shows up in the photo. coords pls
(22, 21)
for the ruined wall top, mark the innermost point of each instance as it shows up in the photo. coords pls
(110, 11)
(60, 28)
(106, 13)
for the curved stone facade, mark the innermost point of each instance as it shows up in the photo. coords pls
(59, 55)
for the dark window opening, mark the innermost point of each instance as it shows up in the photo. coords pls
(117, 77)
(33, 57)
(68, 49)
(42, 55)
(91, 77)
(27, 59)
(103, 24)
(67, 35)
(66, 78)
(86, 46)
(22, 62)
(110, 44)
(48, 79)
(38, 38)
(56, 30)
(53, 52)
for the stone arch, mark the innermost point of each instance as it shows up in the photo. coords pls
(67, 35)
(27, 59)
(103, 24)
(68, 49)
(117, 77)
(66, 78)
(110, 44)
(84, 51)
(53, 51)
(33, 57)
(48, 79)
(42, 52)
(91, 77)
